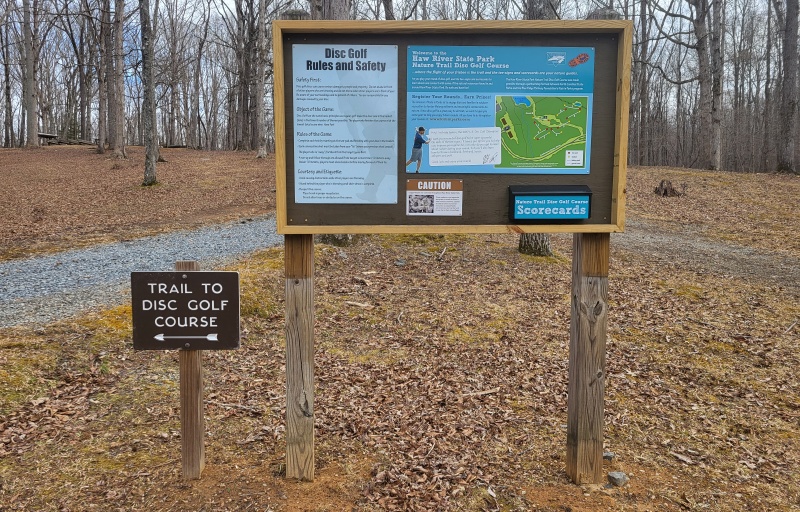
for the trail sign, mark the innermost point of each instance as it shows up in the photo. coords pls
(185, 310)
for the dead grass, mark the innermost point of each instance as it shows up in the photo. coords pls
(755, 210)
(441, 369)
(63, 197)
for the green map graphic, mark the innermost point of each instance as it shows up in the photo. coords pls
(537, 131)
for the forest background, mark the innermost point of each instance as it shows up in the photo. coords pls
(703, 402)
(74, 69)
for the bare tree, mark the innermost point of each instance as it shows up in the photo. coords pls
(767, 90)
(111, 91)
(702, 68)
(9, 139)
(31, 98)
(149, 103)
(193, 135)
(241, 33)
(640, 99)
(706, 19)
(102, 77)
(74, 22)
(118, 105)
(261, 74)
(717, 72)
(787, 19)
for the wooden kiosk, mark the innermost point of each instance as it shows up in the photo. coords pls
(525, 131)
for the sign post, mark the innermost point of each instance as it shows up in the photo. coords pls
(191, 311)
(587, 357)
(299, 262)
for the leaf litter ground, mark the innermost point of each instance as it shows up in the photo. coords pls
(441, 367)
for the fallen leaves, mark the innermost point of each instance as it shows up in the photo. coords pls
(441, 374)
(61, 197)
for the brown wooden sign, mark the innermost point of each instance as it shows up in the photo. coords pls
(366, 112)
(185, 310)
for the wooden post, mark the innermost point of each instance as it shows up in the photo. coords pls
(299, 261)
(587, 357)
(193, 453)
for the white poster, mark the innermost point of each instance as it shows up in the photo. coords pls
(465, 146)
(345, 123)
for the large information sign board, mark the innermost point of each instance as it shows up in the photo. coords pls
(185, 310)
(425, 127)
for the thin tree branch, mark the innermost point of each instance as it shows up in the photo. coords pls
(666, 77)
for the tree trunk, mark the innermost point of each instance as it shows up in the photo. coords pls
(78, 43)
(535, 244)
(388, 10)
(111, 92)
(331, 9)
(240, 103)
(174, 108)
(119, 82)
(704, 71)
(212, 114)
(261, 69)
(680, 119)
(766, 139)
(193, 136)
(9, 141)
(102, 74)
(786, 140)
(29, 83)
(149, 102)
(717, 71)
(85, 84)
(644, 105)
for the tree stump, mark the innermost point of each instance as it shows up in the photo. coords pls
(665, 189)
(535, 244)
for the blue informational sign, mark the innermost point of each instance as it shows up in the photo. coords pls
(551, 207)
(501, 109)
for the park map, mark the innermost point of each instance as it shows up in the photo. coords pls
(542, 131)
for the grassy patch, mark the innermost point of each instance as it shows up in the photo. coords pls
(260, 282)
(22, 375)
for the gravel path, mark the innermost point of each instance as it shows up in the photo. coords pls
(47, 288)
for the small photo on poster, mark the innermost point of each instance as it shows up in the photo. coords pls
(442, 198)
(421, 204)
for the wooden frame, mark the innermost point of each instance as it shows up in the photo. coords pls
(283, 29)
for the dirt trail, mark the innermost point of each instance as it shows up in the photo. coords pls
(691, 250)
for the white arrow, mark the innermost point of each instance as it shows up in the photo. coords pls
(209, 337)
